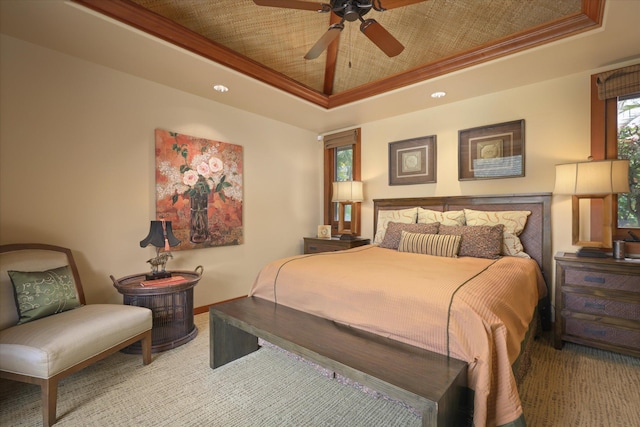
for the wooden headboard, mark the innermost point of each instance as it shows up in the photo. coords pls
(536, 237)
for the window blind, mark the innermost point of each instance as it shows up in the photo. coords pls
(620, 82)
(339, 139)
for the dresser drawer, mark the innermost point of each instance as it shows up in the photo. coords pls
(313, 245)
(312, 248)
(598, 279)
(601, 306)
(602, 332)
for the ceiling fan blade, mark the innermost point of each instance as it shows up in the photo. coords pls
(392, 4)
(295, 4)
(381, 37)
(321, 45)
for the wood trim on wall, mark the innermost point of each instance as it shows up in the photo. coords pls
(604, 146)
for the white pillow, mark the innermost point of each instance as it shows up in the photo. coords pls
(406, 216)
(427, 216)
(513, 221)
(512, 246)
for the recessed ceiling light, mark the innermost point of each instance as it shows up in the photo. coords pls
(220, 88)
(438, 94)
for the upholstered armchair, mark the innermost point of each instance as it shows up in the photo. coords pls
(47, 332)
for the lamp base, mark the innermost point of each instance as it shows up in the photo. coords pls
(591, 253)
(159, 275)
(348, 237)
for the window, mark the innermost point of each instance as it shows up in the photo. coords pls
(343, 172)
(615, 123)
(628, 147)
(341, 163)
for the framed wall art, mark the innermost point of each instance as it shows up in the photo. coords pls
(199, 189)
(412, 161)
(494, 151)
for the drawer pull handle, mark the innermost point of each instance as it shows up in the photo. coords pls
(594, 279)
(595, 305)
(313, 248)
(597, 332)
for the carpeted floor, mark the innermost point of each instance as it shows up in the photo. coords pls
(577, 386)
(580, 386)
(266, 388)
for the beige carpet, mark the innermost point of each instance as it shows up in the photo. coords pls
(267, 388)
(577, 386)
(580, 386)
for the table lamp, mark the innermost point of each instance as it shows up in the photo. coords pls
(160, 236)
(348, 193)
(596, 179)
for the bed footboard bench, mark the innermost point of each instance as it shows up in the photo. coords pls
(430, 382)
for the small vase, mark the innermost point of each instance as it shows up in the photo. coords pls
(199, 224)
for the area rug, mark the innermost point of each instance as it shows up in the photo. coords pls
(265, 388)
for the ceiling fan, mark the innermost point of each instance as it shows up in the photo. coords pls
(348, 10)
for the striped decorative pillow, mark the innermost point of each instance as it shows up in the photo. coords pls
(430, 244)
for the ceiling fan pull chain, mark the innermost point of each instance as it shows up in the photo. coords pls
(350, 47)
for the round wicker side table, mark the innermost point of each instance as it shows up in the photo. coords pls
(171, 302)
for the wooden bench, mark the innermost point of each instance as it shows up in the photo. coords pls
(427, 381)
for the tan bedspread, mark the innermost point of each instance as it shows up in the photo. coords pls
(473, 309)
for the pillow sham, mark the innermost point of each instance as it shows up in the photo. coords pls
(42, 293)
(513, 221)
(406, 216)
(512, 246)
(426, 216)
(479, 241)
(445, 245)
(394, 229)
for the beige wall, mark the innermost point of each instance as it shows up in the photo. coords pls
(77, 164)
(77, 170)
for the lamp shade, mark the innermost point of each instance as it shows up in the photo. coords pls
(160, 234)
(594, 177)
(347, 191)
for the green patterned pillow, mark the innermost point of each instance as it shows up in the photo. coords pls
(42, 293)
(430, 244)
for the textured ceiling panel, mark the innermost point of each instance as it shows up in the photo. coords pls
(430, 30)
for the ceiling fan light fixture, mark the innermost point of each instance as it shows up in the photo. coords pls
(350, 11)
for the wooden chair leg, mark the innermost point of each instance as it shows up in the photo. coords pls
(49, 392)
(145, 343)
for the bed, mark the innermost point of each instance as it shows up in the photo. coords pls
(379, 289)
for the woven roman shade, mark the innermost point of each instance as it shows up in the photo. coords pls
(620, 82)
(340, 139)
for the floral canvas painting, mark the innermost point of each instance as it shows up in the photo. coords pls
(199, 189)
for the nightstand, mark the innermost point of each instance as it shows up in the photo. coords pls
(314, 245)
(171, 302)
(598, 303)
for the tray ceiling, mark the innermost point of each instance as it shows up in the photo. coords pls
(269, 44)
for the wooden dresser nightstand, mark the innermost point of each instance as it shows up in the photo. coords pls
(314, 245)
(598, 303)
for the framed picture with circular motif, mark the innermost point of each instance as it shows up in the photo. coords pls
(413, 161)
(324, 231)
(490, 152)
